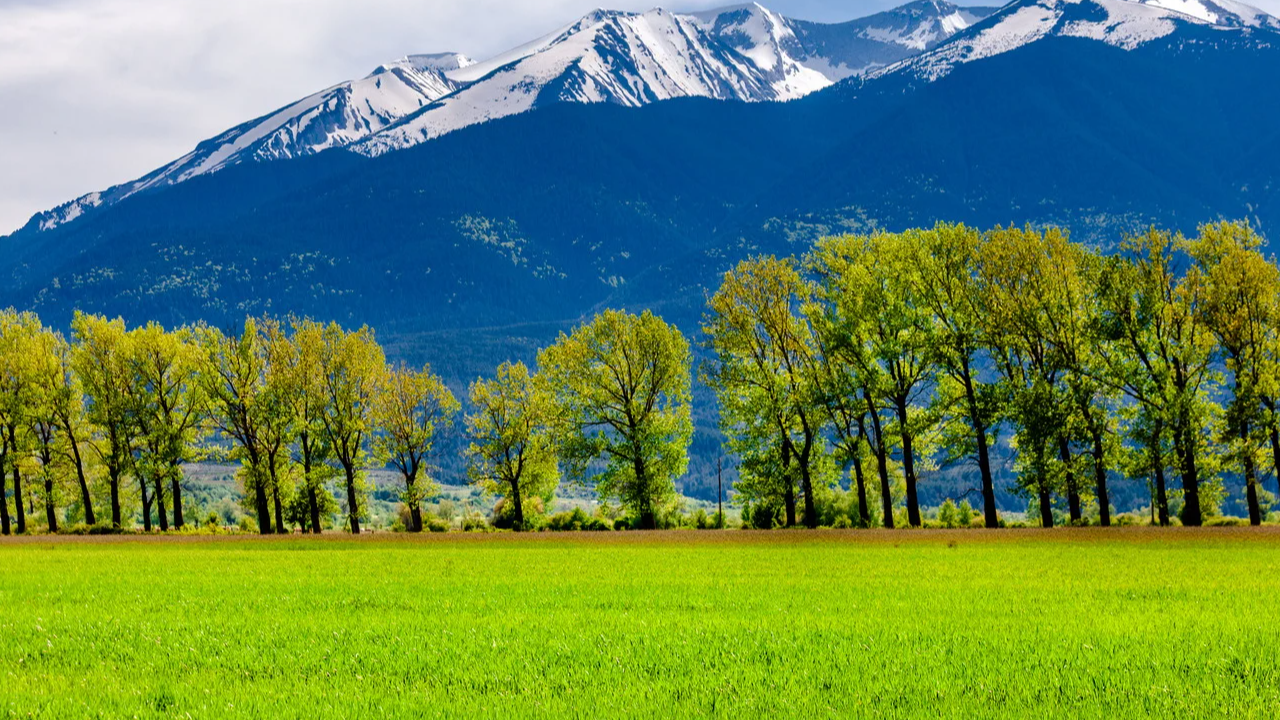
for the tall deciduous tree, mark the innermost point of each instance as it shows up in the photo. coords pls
(233, 383)
(947, 284)
(763, 372)
(351, 368)
(885, 330)
(100, 359)
(1155, 348)
(19, 333)
(1017, 288)
(622, 389)
(169, 402)
(299, 357)
(1240, 307)
(410, 409)
(512, 451)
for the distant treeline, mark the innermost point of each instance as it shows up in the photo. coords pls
(867, 360)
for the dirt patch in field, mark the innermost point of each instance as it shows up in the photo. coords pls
(1265, 534)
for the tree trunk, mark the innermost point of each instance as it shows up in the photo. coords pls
(1275, 452)
(353, 511)
(313, 501)
(1250, 475)
(4, 496)
(175, 490)
(314, 506)
(17, 482)
(1046, 507)
(1157, 472)
(1073, 493)
(415, 510)
(882, 463)
(160, 509)
(1184, 446)
(260, 503)
(806, 481)
(518, 503)
(113, 479)
(908, 464)
(50, 512)
(990, 517)
(89, 517)
(275, 499)
(146, 503)
(864, 512)
(1100, 480)
(789, 491)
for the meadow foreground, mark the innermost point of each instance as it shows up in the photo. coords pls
(1066, 623)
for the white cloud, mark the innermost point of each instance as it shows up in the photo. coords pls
(96, 92)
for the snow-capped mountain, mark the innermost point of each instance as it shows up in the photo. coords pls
(334, 117)
(861, 46)
(745, 53)
(1126, 24)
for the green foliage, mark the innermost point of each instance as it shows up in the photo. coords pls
(512, 451)
(621, 386)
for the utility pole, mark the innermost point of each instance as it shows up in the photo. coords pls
(720, 489)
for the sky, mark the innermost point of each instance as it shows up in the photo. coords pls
(97, 92)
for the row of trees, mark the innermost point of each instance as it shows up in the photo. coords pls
(879, 353)
(112, 414)
(868, 360)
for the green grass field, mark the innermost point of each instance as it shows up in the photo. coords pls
(1066, 623)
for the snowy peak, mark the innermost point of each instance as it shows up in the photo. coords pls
(1126, 24)
(440, 62)
(921, 25)
(1226, 13)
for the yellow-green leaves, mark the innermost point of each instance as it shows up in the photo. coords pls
(622, 389)
(411, 408)
(512, 452)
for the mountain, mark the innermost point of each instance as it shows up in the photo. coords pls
(1127, 24)
(745, 53)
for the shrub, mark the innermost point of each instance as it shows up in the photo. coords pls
(1225, 521)
(435, 524)
(474, 522)
(842, 523)
(964, 514)
(947, 515)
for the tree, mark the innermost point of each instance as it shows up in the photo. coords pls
(512, 451)
(1016, 276)
(947, 284)
(1240, 308)
(168, 401)
(621, 385)
(100, 360)
(351, 368)
(1155, 348)
(883, 330)
(298, 357)
(233, 383)
(763, 372)
(410, 408)
(64, 395)
(18, 346)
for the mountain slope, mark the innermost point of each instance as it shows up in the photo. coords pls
(741, 53)
(331, 118)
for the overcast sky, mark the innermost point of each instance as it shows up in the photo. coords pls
(97, 92)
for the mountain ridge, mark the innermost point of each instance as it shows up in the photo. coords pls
(745, 53)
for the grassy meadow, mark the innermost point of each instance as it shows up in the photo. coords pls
(1063, 623)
